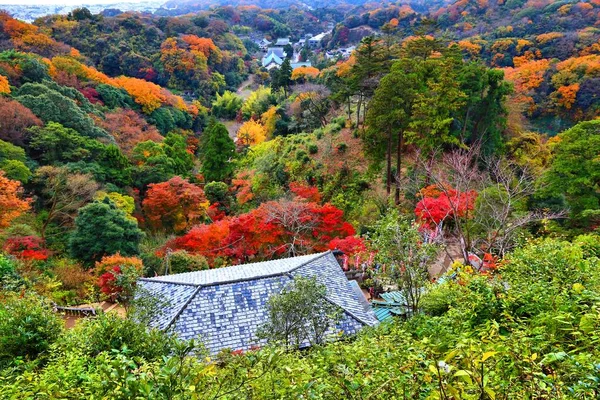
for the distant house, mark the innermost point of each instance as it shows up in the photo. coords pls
(224, 307)
(315, 41)
(263, 44)
(299, 64)
(273, 58)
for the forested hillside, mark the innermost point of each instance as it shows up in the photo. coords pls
(449, 150)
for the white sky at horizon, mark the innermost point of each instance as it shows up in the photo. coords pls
(64, 2)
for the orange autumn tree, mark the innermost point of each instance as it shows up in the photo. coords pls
(206, 46)
(11, 203)
(4, 86)
(26, 37)
(70, 65)
(251, 133)
(526, 78)
(469, 47)
(107, 263)
(117, 276)
(304, 73)
(146, 94)
(175, 205)
(175, 59)
(566, 95)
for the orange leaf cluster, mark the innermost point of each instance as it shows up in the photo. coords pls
(128, 128)
(15, 28)
(546, 37)
(205, 46)
(527, 77)
(175, 204)
(146, 94)
(588, 65)
(470, 47)
(108, 263)
(567, 95)
(344, 67)
(176, 59)
(11, 204)
(305, 73)
(4, 86)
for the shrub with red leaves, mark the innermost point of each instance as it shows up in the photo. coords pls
(29, 248)
(309, 193)
(107, 282)
(276, 228)
(444, 205)
(91, 94)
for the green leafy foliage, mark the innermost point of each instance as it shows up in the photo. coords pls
(217, 153)
(575, 171)
(27, 328)
(103, 229)
(300, 315)
(53, 103)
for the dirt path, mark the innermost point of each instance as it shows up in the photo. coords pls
(245, 88)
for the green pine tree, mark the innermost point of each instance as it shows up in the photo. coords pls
(217, 152)
(103, 229)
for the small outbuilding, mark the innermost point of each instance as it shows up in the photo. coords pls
(225, 307)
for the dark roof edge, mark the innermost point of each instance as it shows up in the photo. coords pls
(288, 273)
(153, 280)
(309, 261)
(350, 313)
(183, 307)
(252, 278)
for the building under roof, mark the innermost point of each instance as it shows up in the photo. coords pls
(300, 64)
(224, 307)
(272, 60)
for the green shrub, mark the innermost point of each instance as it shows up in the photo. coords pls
(108, 332)
(182, 261)
(438, 299)
(590, 244)
(9, 278)
(300, 155)
(28, 327)
(313, 148)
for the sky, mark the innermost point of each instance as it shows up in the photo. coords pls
(64, 2)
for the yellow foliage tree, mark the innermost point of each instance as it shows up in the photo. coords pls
(251, 133)
(122, 202)
(269, 120)
(470, 47)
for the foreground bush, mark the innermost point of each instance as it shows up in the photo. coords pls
(28, 327)
(529, 332)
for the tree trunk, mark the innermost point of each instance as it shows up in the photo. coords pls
(349, 110)
(399, 165)
(358, 106)
(389, 164)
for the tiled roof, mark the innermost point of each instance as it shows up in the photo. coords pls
(393, 304)
(224, 307)
(271, 58)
